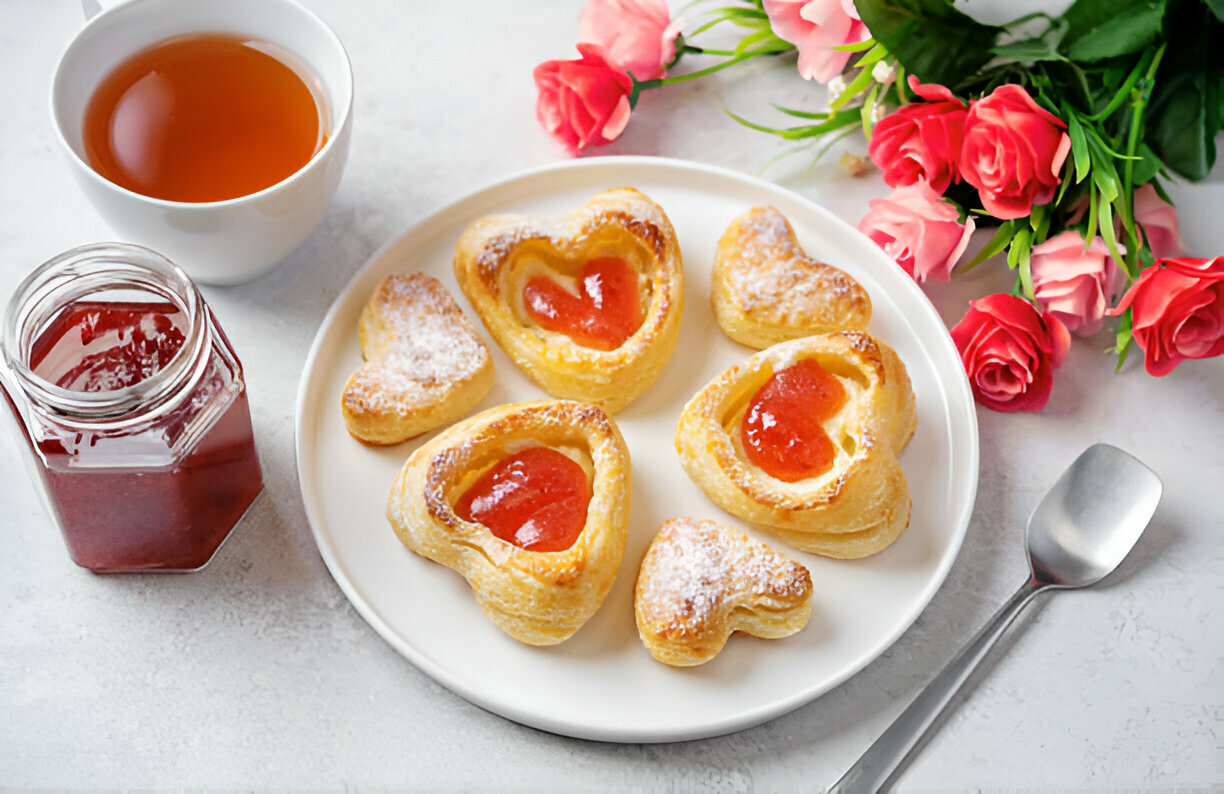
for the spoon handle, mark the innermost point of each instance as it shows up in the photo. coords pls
(885, 756)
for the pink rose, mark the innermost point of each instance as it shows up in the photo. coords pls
(1013, 151)
(1158, 220)
(921, 142)
(816, 27)
(1073, 282)
(1177, 311)
(1010, 352)
(637, 36)
(584, 102)
(918, 230)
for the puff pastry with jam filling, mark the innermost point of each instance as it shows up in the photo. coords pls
(748, 443)
(532, 585)
(589, 306)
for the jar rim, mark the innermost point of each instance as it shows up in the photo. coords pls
(76, 274)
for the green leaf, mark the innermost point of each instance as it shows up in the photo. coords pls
(745, 17)
(1037, 216)
(1107, 233)
(1079, 145)
(843, 118)
(1106, 183)
(1184, 113)
(1112, 76)
(869, 105)
(1183, 120)
(1019, 243)
(855, 87)
(1066, 183)
(1123, 338)
(1042, 229)
(1018, 257)
(1002, 237)
(820, 115)
(1028, 51)
(856, 46)
(1147, 167)
(1217, 8)
(930, 38)
(1100, 29)
(1104, 173)
(1091, 231)
(766, 37)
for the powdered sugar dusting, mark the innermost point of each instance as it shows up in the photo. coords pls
(771, 273)
(418, 347)
(696, 570)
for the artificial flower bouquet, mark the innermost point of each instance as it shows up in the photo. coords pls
(1049, 133)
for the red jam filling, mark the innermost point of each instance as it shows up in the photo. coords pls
(782, 430)
(536, 499)
(96, 346)
(606, 311)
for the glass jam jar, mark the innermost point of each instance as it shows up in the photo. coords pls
(134, 406)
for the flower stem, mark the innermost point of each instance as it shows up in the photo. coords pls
(1124, 92)
(1027, 17)
(680, 78)
(1128, 165)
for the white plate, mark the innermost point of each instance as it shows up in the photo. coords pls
(601, 683)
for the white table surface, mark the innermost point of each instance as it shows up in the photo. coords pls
(257, 673)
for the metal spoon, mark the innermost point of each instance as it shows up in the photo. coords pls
(1080, 532)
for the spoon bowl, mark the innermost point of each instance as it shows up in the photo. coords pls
(1091, 518)
(1080, 531)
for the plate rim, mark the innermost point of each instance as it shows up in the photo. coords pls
(956, 394)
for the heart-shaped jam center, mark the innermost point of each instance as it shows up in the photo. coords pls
(536, 499)
(606, 310)
(782, 431)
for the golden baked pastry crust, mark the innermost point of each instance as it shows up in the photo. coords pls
(858, 507)
(700, 581)
(539, 598)
(496, 256)
(425, 365)
(766, 290)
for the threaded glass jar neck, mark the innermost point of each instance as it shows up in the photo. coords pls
(104, 271)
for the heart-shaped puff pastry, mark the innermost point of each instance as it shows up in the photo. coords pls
(497, 256)
(425, 365)
(701, 581)
(856, 508)
(537, 597)
(766, 290)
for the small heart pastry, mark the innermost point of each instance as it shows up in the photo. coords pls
(588, 307)
(529, 502)
(701, 581)
(802, 440)
(425, 365)
(766, 290)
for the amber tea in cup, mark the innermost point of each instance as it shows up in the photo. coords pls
(228, 190)
(202, 117)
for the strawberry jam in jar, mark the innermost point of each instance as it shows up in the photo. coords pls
(133, 406)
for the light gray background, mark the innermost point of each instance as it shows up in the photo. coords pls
(257, 673)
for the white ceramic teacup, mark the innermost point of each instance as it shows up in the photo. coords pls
(218, 242)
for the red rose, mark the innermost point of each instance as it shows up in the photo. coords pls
(1010, 352)
(1012, 152)
(584, 102)
(1177, 311)
(921, 141)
